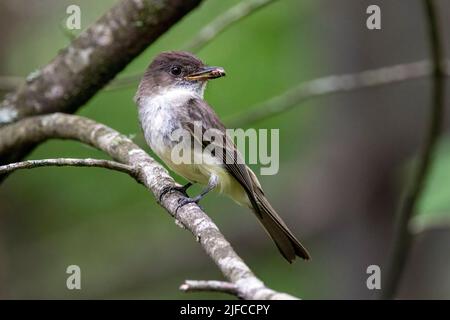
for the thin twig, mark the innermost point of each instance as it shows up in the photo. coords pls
(154, 177)
(403, 237)
(209, 286)
(236, 13)
(330, 85)
(61, 162)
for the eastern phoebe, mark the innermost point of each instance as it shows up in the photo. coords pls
(170, 98)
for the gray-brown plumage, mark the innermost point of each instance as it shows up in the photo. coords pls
(170, 98)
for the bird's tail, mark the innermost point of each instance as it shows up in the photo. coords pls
(286, 242)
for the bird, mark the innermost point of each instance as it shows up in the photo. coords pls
(170, 99)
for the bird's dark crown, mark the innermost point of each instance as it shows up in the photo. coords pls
(167, 61)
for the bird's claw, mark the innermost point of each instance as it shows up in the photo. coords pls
(181, 189)
(184, 201)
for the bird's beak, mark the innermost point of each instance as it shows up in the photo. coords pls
(206, 73)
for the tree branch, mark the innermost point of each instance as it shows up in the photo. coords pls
(236, 13)
(209, 286)
(403, 237)
(154, 177)
(62, 162)
(330, 85)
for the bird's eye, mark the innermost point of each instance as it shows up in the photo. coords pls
(175, 70)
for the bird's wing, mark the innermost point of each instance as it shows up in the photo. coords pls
(199, 112)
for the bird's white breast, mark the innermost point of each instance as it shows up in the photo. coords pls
(160, 114)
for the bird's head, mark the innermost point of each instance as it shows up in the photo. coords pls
(178, 69)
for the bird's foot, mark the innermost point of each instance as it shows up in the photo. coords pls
(182, 189)
(184, 201)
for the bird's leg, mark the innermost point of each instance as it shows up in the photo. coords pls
(212, 183)
(181, 189)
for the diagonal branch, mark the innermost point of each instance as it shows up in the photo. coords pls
(403, 237)
(154, 177)
(236, 13)
(64, 162)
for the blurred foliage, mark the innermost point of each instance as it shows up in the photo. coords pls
(434, 206)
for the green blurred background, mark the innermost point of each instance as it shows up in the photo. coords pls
(341, 162)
